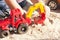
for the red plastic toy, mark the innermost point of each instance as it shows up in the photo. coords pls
(16, 21)
(41, 10)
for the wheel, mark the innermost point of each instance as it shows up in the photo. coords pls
(5, 33)
(52, 4)
(22, 28)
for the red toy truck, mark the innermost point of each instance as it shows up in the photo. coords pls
(14, 22)
(18, 22)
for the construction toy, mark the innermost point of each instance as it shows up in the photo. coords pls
(19, 23)
(41, 9)
(14, 22)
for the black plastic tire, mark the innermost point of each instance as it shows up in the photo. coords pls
(5, 33)
(52, 4)
(23, 28)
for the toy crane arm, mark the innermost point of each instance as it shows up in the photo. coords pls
(39, 6)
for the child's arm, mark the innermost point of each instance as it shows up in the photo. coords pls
(34, 1)
(13, 4)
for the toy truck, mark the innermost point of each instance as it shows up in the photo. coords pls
(38, 6)
(14, 22)
(18, 22)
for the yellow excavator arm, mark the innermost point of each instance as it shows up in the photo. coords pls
(39, 6)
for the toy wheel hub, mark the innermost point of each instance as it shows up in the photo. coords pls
(23, 29)
(6, 34)
(52, 4)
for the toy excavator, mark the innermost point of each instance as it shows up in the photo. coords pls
(38, 6)
(17, 22)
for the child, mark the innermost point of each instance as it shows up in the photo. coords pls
(23, 3)
(4, 9)
(13, 3)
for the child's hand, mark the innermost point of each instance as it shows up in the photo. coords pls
(34, 1)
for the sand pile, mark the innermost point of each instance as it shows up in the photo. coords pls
(49, 30)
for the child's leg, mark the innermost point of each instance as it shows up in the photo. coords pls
(23, 3)
(26, 7)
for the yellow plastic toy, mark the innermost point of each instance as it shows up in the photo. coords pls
(35, 7)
